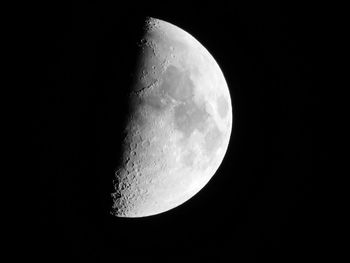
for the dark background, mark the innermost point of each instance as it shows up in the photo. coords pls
(263, 204)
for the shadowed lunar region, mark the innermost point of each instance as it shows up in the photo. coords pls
(179, 127)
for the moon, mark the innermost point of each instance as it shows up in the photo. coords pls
(179, 127)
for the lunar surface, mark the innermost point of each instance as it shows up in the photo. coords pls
(180, 125)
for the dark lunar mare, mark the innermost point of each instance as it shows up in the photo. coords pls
(175, 83)
(188, 115)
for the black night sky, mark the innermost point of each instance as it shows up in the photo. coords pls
(263, 204)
